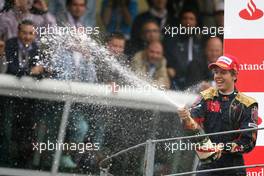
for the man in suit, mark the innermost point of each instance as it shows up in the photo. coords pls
(22, 52)
(151, 64)
(74, 66)
(184, 54)
(22, 58)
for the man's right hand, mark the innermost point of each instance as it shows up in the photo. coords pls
(184, 113)
(185, 116)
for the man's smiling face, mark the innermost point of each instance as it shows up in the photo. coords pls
(224, 79)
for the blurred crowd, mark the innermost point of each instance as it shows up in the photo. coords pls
(137, 39)
(176, 62)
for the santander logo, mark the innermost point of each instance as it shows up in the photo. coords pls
(251, 12)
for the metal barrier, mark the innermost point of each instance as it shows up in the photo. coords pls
(135, 98)
(150, 153)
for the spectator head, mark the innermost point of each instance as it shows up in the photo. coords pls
(116, 43)
(213, 49)
(158, 5)
(154, 52)
(189, 18)
(22, 5)
(76, 7)
(39, 7)
(26, 32)
(219, 14)
(150, 31)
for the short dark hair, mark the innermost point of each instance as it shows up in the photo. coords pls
(69, 2)
(208, 38)
(115, 35)
(25, 22)
(191, 10)
(148, 21)
(234, 73)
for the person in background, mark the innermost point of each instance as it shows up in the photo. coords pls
(73, 65)
(157, 11)
(23, 59)
(219, 16)
(39, 7)
(116, 43)
(22, 53)
(118, 15)
(175, 7)
(150, 32)
(213, 50)
(184, 52)
(18, 11)
(74, 14)
(58, 7)
(151, 64)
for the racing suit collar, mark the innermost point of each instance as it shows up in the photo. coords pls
(226, 93)
(227, 97)
(219, 93)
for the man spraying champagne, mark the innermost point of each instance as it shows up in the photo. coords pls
(219, 109)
